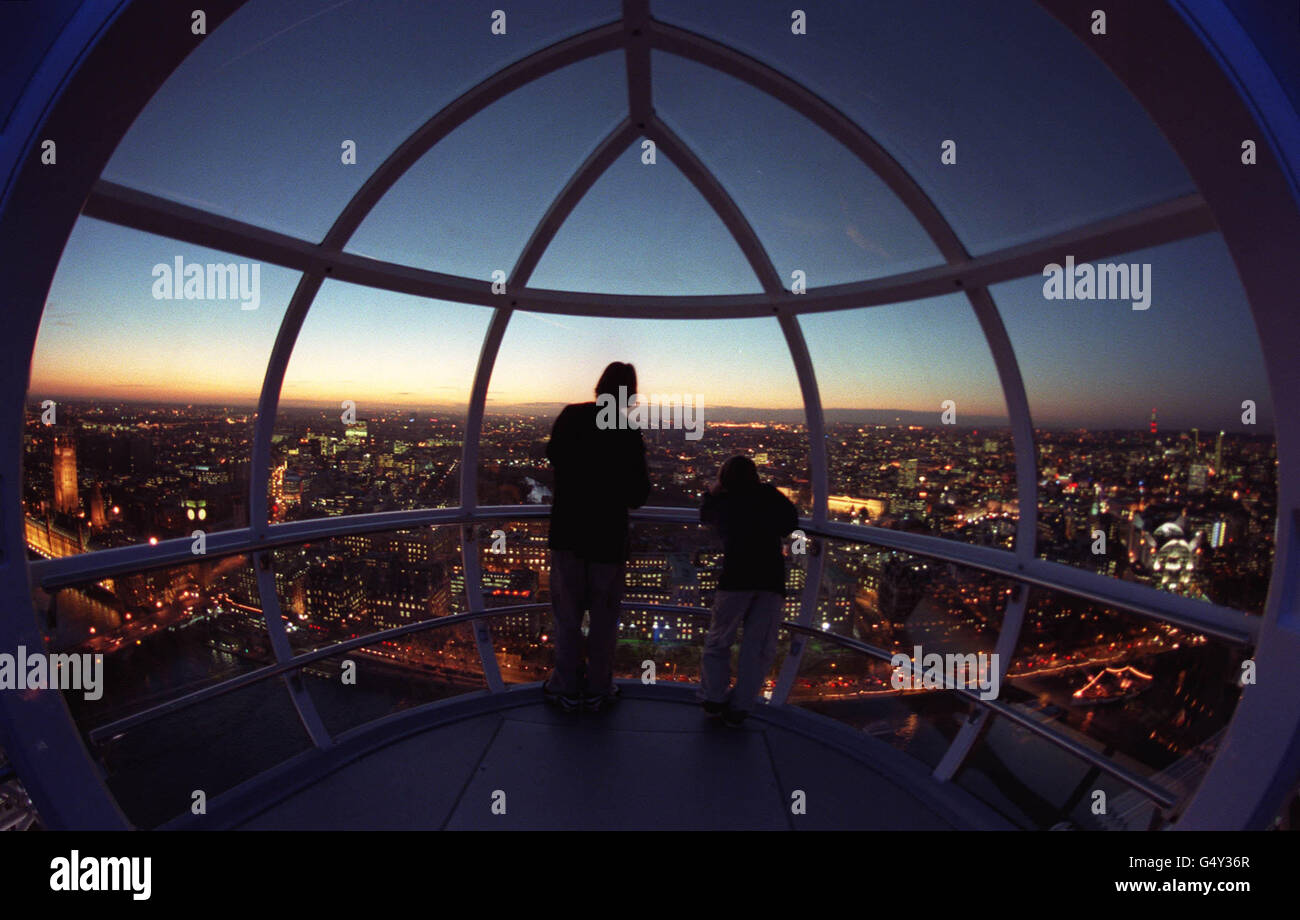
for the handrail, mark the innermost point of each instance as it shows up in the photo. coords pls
(1225, 623)
(212, 691)
(1155, 792)
(1151, 790)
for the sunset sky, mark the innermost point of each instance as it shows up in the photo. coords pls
(250, 126)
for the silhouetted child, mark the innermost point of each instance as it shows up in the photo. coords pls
(752, 516)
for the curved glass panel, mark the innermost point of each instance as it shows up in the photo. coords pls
(513, 469)
(642, 228)
(669, 565)
(1156, 424)
(899, 603)
(514, 565)
(515, 568)
(30, 31)
(823, 212)
(914, 75)
(145, 379)
(216, 134)
(467, 207)
(392, 675)
(679, 565)
(153, 770)
(733, 382)
(916, 423)
(1151, 698)
(1033, 783)
(895, 601)
(349, 586)
(372, 411)
(922, 725)
(162, 633)
(1147, 693)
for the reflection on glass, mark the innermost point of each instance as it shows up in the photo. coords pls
(853, 688)
(898, 603)
(1152, 698)
(1150, 690)
(1030, 781)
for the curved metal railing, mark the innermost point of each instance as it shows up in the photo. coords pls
(291, 534)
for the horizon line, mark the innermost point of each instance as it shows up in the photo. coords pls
(460, 409)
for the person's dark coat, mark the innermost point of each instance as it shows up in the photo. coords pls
(751, 522)
(599, 475)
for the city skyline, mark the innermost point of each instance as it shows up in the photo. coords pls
(884, 417)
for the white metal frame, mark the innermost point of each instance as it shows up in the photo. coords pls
(76, 97)
(637, 33)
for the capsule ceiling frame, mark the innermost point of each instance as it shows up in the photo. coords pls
(636, 33)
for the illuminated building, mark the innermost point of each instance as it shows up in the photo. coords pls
(907, 478)
(97, 516)
(66, 498)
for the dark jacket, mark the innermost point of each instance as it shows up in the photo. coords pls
(599, 475)
(752, 523)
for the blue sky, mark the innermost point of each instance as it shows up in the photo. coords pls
(250, 126)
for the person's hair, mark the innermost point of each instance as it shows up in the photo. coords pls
(617, 374)
(738, 473)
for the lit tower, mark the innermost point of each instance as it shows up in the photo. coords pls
(277, 484)
(907, 474)
(1218, 455)
(1153, 421)
(97, 517)
(65, 475)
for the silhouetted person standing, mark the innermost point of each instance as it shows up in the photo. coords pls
(752, 516)
(600, 473)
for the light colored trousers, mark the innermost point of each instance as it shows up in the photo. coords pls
(759, 612)
(597, 588)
